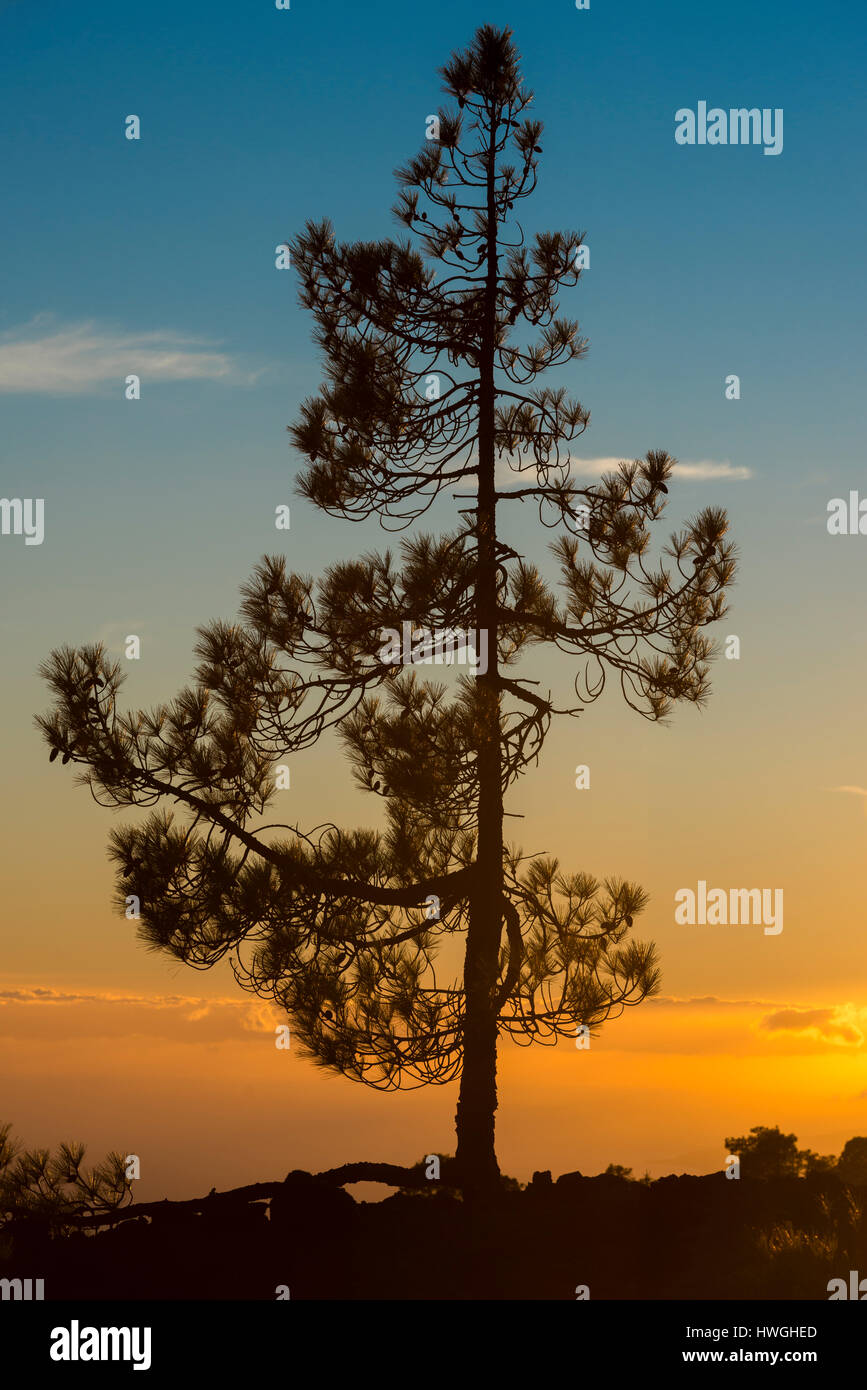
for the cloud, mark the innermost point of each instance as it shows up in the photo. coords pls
(40, 994)
(701, 470)
(81, 359)
(705, 1001)
(853, 791)
(826, 1023)
(711, 471)
(45, 1014)
(704, 470)
(773, 1028)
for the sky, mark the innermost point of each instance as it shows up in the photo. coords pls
(156, 256)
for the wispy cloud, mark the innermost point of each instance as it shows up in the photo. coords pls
(704, 470)
(854, 791)
(700, 470)
(710, 470)
(831, 1025)
(705, 1002)
(41, 994)
(84, 358)
(44, 1012)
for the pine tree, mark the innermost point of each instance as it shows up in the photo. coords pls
(432, 347)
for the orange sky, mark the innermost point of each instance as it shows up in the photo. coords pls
(196, 1087)
(742, 795)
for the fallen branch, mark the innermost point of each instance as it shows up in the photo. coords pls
(390, 1174)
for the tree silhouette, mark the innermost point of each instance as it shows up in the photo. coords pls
(431, 353)
(852, 1163)
(767, 1153)
(54, 1190)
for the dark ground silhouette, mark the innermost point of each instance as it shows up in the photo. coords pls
(680, 1237)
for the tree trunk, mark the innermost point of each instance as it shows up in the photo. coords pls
(476, 1156)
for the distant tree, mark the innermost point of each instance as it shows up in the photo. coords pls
(852, 1163)
(617, 1170)
(768, 1153)
(431, 355)
(815, 1165)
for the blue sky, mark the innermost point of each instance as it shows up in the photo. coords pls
(704, 261)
